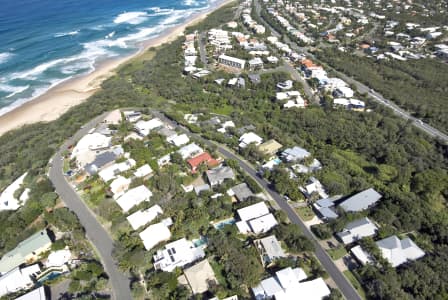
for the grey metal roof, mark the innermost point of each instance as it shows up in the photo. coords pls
(220, 174)
(100, 161)
(361, 201)
(358, 223)
(270, 247)
(242, 191)
(325, 203)
(328, 213)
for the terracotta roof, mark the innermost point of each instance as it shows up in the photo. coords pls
(201, 158)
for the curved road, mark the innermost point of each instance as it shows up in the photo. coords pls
(343, 284)
(95, 232)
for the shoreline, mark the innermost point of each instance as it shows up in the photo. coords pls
(60, 98)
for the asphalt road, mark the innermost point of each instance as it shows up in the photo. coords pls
(97, 235)
(364, 89)
(343, 284)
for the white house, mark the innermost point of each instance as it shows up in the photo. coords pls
(85, 149)
(58, 258)
(178, 140)
(255, 218)
(249, 138)
(356, 230)
(144, 216)
(143, 171)
(156, 233)
(295, 153)
(145, 127)
(289, 284)
(398, 251)
(134, 197)
(190, 150)
(119, 186)
(37, 294)
(18, 279)
(112, 171)
(177, 254)
(344, 91)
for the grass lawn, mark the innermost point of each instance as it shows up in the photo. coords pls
(337, 253)
(66, 165)
(305, 213)
(225, 110)
(355, 283)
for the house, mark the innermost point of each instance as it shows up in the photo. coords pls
(143, 171)
(314, 186)
(144, 127)
(156, 233)
(177, 254)
(26, 251)
(201, 188)
(255, 219)
(361, 256)
(58, 258)
(286, 85)
(132, 116)
(226, 124)
(119, 186)
(352, 104)
(294, 154)
(255, 64)
(178, 140)
(167, 133)
(7, 199)
(134, 197)
(85, 150)
(37, 294)
(357, 230)
(164, 160)
(217, 176)
(144, 216)
(272, 59)
(361, 201)
(241, 192)
(315, 165)
(249, 138)
(203, 158)
(343, 91)
(103, 159)
(112, 171)
(200, 277)
(269, 249)
(398, 251)
(394, 250)
(189, 150)
(325, 209)
(288, 284)
(232, 62)
(270, 147)
(18, 279)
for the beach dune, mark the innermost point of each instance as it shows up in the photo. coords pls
(62, 97)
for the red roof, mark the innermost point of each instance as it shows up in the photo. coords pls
(201, 158)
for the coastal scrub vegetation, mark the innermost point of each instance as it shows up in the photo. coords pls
(358, 150)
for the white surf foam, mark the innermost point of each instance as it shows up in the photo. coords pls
(5, 56)
(191, 3)
(13, 90)
(61, 34)
(133, 18)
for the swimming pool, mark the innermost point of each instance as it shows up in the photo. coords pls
(221, 224)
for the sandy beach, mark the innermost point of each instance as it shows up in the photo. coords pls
(62, 97)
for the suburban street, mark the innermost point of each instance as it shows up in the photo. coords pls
(343, 284)
(361, 87)
(97, 235)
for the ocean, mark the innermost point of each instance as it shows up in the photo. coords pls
(46, 42)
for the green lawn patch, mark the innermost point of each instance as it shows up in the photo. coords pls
(337, 253)
(355, 283)
(305, 213)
